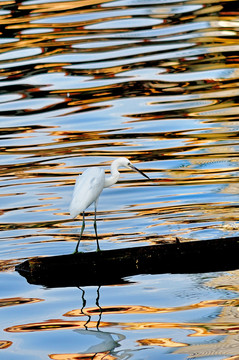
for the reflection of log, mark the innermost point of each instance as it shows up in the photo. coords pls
(111, 266)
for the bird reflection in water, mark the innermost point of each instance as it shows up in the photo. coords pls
(109, 341)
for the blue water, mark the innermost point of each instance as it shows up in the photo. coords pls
(85, 82)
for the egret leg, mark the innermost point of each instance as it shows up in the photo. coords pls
(95, 226)
(82, 229)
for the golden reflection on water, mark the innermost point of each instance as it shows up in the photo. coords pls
(88, 356)
(54, 325)
(198, 329)
(83, 82)
(146, 309)
(161, 342)
(5, 344)
(17, 301)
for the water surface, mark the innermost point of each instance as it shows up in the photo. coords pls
(84, 82)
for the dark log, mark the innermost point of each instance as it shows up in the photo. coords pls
(113, 266)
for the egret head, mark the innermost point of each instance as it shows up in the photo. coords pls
(126, 163)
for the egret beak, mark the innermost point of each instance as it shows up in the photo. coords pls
(139, 171)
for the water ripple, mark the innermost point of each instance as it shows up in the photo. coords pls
(84, 82)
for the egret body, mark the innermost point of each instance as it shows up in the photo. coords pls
(89, 186)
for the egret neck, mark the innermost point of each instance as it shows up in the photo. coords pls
(114, 173)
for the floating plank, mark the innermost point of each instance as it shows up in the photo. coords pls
(114, 266)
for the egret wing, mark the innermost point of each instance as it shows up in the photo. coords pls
(88, 188)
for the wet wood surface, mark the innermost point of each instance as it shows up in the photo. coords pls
(114, 266)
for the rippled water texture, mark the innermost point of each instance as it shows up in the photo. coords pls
(84, 82)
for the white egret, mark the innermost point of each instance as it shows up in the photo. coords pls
(89, 186)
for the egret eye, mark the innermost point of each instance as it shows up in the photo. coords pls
(128, 164)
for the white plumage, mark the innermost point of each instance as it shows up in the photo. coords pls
(89, 186)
